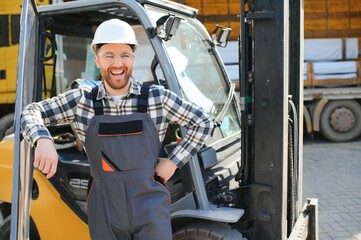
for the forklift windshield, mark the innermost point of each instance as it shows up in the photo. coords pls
(199, 73)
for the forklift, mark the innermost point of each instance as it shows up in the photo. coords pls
(244, 183)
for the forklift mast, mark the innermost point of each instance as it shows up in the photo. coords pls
(270, 63)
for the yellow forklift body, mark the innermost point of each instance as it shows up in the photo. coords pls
(48, 205)
(6, 169)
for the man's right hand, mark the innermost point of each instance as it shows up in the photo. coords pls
(46, 157)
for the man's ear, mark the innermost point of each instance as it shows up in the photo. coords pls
(96, 60)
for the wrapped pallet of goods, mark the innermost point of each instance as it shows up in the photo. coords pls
(330, 49)
(332, 73)
(330, 62)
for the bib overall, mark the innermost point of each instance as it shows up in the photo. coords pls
(124, 201)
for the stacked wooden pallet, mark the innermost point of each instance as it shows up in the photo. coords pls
(330, 62)
(314, 74)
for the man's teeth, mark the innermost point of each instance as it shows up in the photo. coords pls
(118, 73)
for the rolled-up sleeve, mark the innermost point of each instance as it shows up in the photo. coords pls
(36, 117)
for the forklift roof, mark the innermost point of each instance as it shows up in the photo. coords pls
(75, 6)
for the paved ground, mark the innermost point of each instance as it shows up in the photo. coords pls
(332, 173)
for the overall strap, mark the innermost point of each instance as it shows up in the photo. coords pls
(97, 103)
(143, 99)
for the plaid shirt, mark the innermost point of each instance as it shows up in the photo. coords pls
(76, 107)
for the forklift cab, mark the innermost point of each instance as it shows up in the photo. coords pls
(227, 190)
(174, 51)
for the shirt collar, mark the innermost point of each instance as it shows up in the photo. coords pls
(134, 89)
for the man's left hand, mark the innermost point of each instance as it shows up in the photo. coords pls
(165, 169)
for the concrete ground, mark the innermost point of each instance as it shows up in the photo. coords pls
(332, 173)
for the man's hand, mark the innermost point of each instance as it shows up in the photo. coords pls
(46, 157)
(165, 169)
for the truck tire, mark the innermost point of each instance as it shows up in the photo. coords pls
(341, 120)
(207, 230)
(5, 227)
(6, 125)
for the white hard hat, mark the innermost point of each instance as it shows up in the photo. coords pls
(114, 31)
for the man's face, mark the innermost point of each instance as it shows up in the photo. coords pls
(115, 62)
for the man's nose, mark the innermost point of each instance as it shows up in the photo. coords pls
(118, 61)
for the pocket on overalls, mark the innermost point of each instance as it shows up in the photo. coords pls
(108, 165)
(157, 180)
(120, 128)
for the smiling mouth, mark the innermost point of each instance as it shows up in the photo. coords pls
(117, 73)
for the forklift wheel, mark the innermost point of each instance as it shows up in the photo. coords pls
(207, 230)
(6, 226)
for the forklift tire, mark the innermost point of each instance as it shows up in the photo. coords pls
(341, 120)
(207, 230)
(6, 226)
(6, 125)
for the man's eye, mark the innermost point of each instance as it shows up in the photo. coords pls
(108, 56)
(125, 56)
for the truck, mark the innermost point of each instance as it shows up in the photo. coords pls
(332, 105)
(244, 183)
(9, 42)
(332, 102)
(9, 45)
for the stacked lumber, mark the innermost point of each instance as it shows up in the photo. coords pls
(332, 19)
(221, 12)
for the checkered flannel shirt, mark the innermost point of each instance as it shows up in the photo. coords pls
(76, 107)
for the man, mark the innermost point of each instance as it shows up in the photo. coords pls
(122, 125)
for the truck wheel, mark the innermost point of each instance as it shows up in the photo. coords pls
(6, 226)
(341, 120)
(207, 230)
(6, 125)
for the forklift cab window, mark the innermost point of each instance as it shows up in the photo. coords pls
(144, 56)
(199, 73)
(74, 60)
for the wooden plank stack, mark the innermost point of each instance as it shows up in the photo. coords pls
(332, 19)
(221, 12)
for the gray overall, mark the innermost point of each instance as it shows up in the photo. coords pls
(124, 201)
